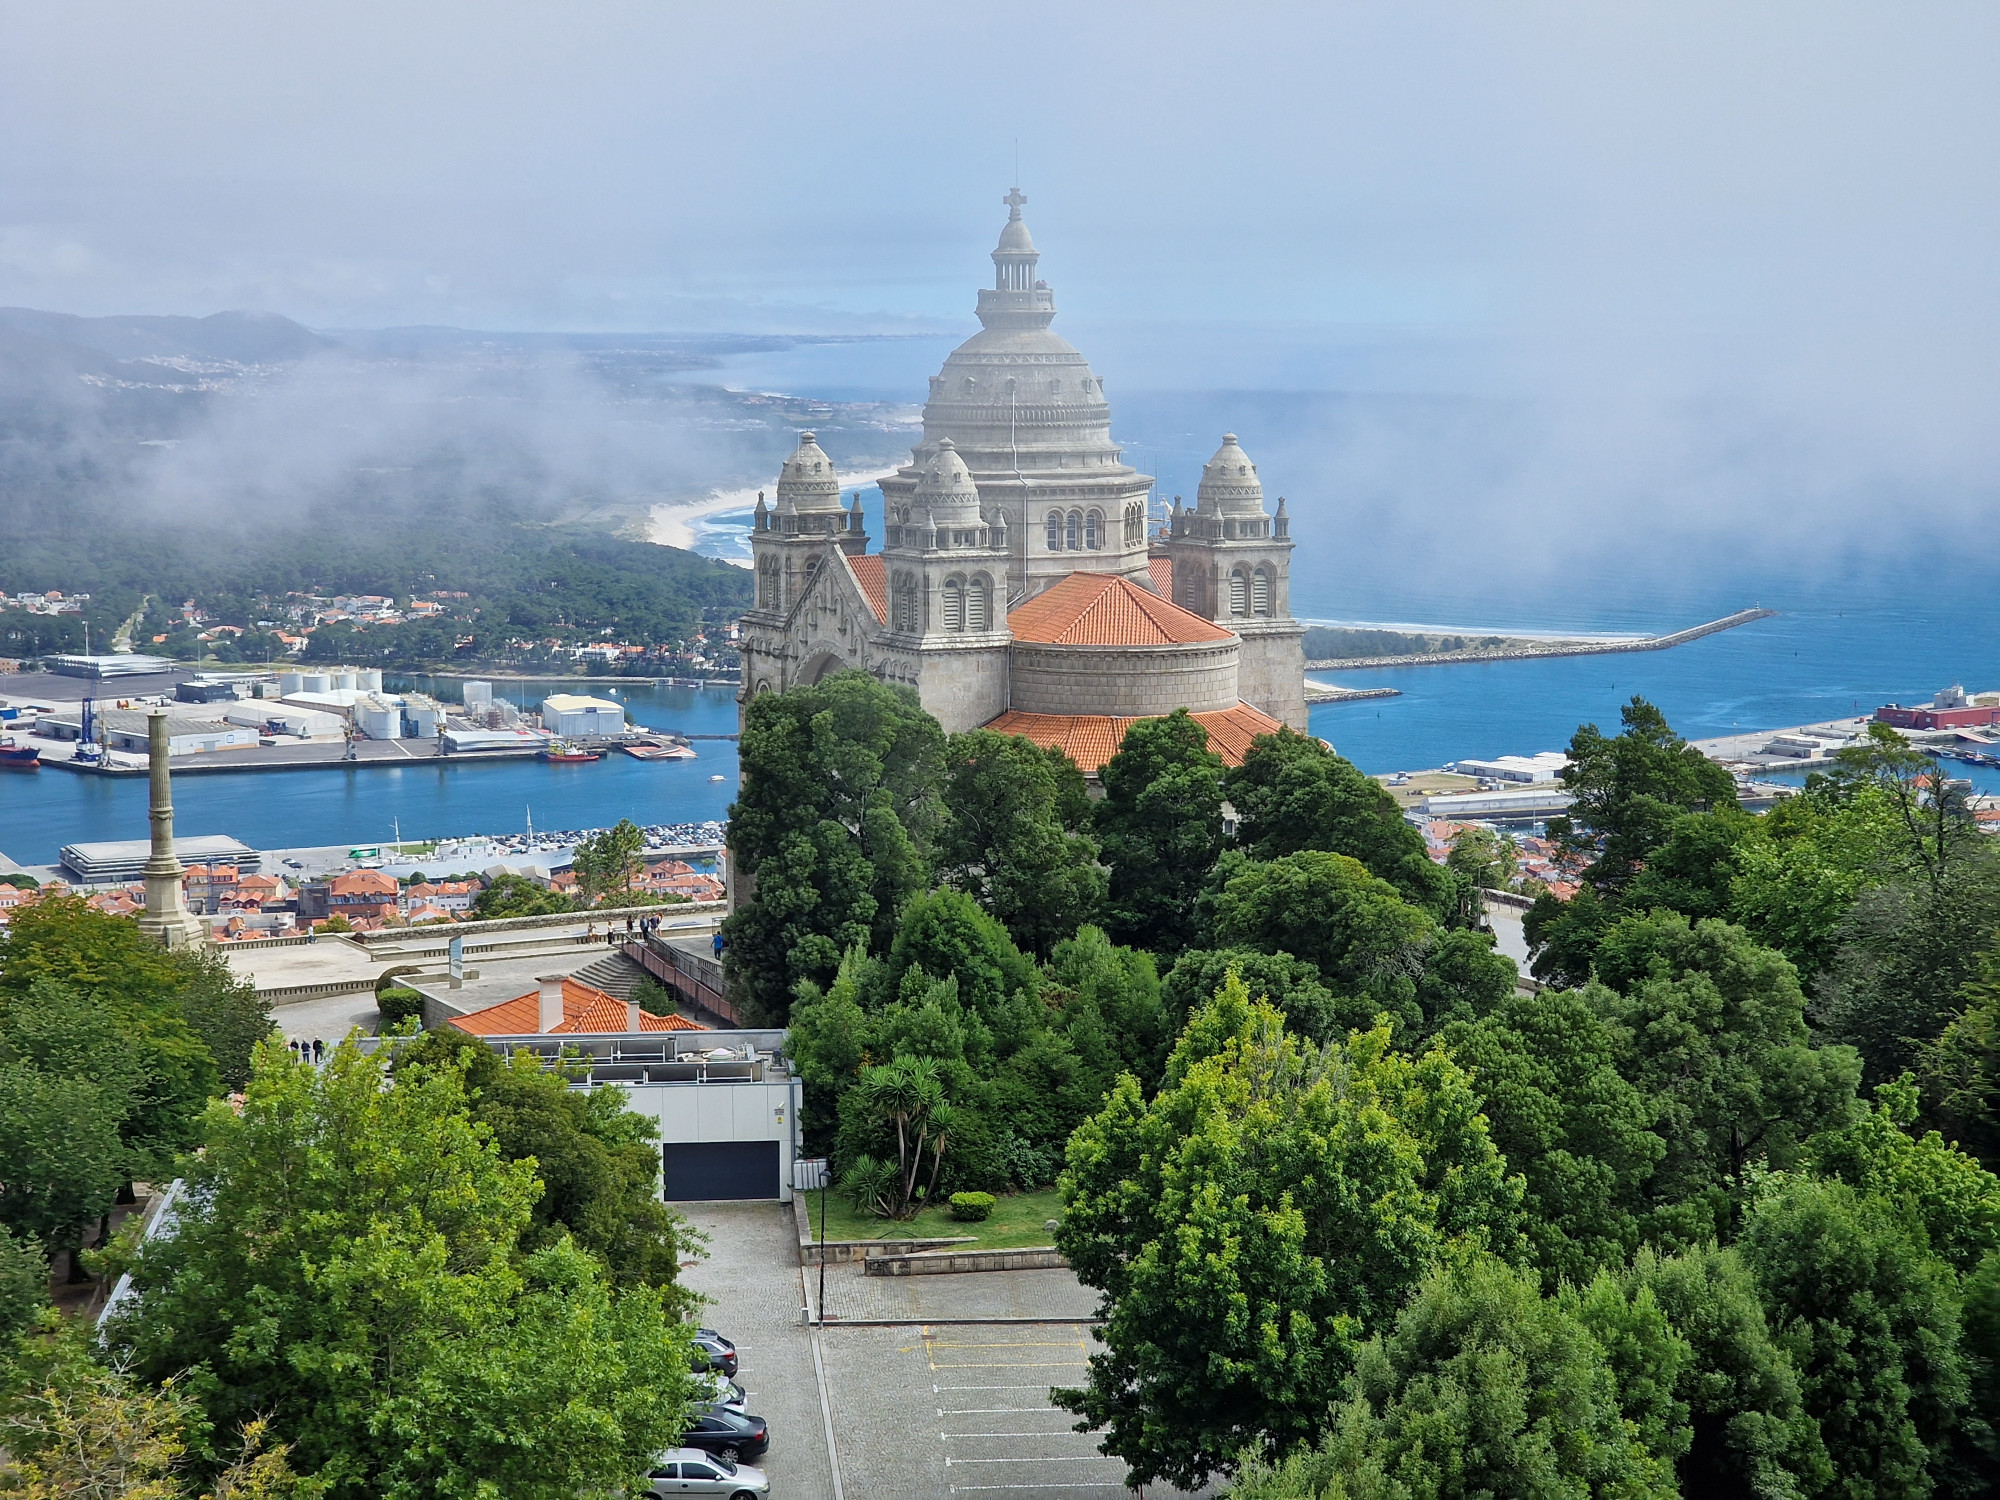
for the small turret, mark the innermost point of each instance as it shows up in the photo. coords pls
(1229, 483)
(808, 487)
(763, 518)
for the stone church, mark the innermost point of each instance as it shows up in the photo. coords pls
(1018, 586)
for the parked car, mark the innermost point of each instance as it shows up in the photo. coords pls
(689, 1471)
(734, 1435)
(727, 1392)
(713, 1352)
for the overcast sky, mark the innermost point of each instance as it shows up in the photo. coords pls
(1739, 257)
(648, 165)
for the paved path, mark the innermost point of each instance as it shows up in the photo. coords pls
(751, 1277)
(973, 1294)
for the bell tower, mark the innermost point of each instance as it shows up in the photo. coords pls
(1232, 564)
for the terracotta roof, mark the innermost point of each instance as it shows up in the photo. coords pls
(1162, 569)
(874, 580)
(361, 882)
(1105, 609)
(1092, 739)
(585, 1009)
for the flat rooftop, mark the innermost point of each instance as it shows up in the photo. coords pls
(125, 859)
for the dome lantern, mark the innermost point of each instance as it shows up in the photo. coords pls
(808, 485)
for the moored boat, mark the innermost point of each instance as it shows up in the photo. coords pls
(14, 756)
(567, 753)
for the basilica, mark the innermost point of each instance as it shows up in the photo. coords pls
(1020, 586)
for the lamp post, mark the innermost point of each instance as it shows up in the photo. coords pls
(825, 1175)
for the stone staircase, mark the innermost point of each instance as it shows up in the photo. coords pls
(615, 974)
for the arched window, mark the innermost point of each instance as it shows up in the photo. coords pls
(905, 611)
(767, 583)
(1239, 593)
(976, 613)
(1073, 531)
(1055, 531)
(1093, 531)
(954, 604)
(1260, 592)
(1187, 588)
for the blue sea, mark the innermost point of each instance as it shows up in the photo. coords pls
(1388, 532)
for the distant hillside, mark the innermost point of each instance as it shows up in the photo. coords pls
(248, 338)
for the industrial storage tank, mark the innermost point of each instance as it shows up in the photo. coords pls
(315, 682)
(378, 720)
(368, 679)
(290, 683)
(343, 680)
(422, 718)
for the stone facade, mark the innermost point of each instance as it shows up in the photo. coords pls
(1017, 487)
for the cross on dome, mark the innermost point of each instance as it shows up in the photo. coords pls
(1014, 199)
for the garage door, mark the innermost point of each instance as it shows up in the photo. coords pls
(698, 1171)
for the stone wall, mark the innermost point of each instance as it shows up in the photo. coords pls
(964, 686)
(1273, 671)
(1134, 682)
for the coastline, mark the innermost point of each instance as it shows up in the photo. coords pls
(673, 525)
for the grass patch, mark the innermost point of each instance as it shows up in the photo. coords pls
(1018, 1219)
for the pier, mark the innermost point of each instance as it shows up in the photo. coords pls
(1517, 651)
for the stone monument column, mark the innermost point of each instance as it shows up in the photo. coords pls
(165, 919)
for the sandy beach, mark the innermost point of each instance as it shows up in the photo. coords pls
(673, 525)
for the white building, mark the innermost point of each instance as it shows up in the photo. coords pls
(1532, 769)
(570, 714)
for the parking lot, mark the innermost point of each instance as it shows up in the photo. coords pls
(918, 1409)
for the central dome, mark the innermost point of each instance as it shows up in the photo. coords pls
(1026, 415)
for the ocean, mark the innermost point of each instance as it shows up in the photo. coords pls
(1872, 621)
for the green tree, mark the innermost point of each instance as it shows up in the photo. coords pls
(598, 1160)
(609, 861)
(1563, 935)
(908, 1096)
(1325, 908)
(1485, 1390)
(1290, 984)
(1748, 1430)
(1160, 828)
(225, 1012)
(1483, 860)
(1712, 1031)
(1016, 837)
(347, 1261)
(1695, 870)
(1939, 1196)
(1250, 1225)
(1579, 1133)
(1817, 852)
(24, 1286)
(61, 1158)
(1292, 794)
(1109, 1003)
(1907, 950)
(1870, 1319)
(832, 831)
(1631, 788)
(518, 896)
(1961, 1069)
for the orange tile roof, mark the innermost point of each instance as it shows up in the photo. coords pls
(585, 1009)
(1092, 739)
(361, 882)
(874, 580)
(1162, 569)
(1105, 609)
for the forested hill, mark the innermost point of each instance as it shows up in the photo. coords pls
(241, 457)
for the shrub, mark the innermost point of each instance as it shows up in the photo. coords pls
(970, 1208)
(387, 979)
(398, 1004)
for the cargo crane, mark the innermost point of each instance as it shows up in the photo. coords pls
(88, 751)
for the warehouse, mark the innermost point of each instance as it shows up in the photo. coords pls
(568, 714)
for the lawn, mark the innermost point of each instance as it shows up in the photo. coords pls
(1018, 1219)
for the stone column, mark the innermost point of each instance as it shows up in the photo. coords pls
(165, 919)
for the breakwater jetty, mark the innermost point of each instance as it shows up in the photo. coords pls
(1327, 692)
(1519, 648)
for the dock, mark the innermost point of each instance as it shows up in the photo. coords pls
(1327, 692)
(1516, 651)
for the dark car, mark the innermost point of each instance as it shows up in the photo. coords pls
(713, 1352)
(733, 1435)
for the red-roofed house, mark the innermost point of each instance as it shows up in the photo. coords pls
(1017, 575)
(565, 1005)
